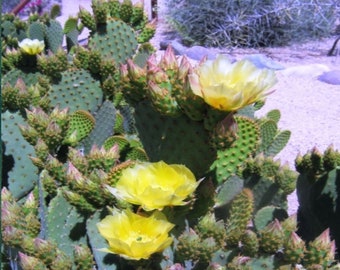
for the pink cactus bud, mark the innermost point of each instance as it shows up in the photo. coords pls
(31, 202)
(169, 60)
(6, 195)
(135, 71)
(124, 71)
(73, 175)
(28, 262)
(157, 91)
(323, 241)
(20, 84)
(184, 68)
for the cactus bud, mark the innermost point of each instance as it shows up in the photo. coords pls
(6, 196)
(103, 159)
(320, 250)
(169, 61)
(289, 225)
(30, 263)
(83, 257)
(135, 72)
(53, 135)
(209, 227)
(250, 243)
(331, 158)
(184, 69)
(271, 237)
(74, 177)
(78, 201)
(162, 99)
(60, 116)
(56, 169)
(45, 250)
(225, 132)
(41, 149)
(31, 204)
(87, 19)
(12, 236)
(294, 248)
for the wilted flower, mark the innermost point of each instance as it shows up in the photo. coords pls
(155, 185)
(31, 47)
(228, 86)
(133, 236)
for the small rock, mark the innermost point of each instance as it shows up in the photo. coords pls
(198, 52)
(178, 48)
(261, 61)
(312, 70)
(331, 77)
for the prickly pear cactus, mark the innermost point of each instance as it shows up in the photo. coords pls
(22, 175)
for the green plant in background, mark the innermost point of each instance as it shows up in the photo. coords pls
(249, 23)
(116, 160)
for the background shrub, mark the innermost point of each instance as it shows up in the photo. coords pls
(251, 23)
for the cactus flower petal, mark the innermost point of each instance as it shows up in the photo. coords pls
(31, 47)
(228, 86)
(135, 237)
(155, 185)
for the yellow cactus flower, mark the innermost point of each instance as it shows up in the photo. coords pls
(155, 185)
(31, 47)
(228, 86)
(133, 236)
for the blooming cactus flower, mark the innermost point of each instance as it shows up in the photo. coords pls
(133, 236)
(155, 185)
(31, 47)
(228, 86)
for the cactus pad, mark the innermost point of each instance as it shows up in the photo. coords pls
(81, 122)
(174, 140)
(23, 176)
(77, 90)
(115, 40)
(105, 122)
(54, 35)
(229, 160)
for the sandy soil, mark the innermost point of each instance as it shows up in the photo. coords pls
(310, 109)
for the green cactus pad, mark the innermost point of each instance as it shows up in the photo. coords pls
(266, 215)
(81, 122)
(28, 77)
(229, 160)
(77, 90)
(54, 35)
(62, 218)
(272, 140)
(105, 122)
(36, 31)
(22, 177)
(174, 140)
(116, 40)
(103, 259)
